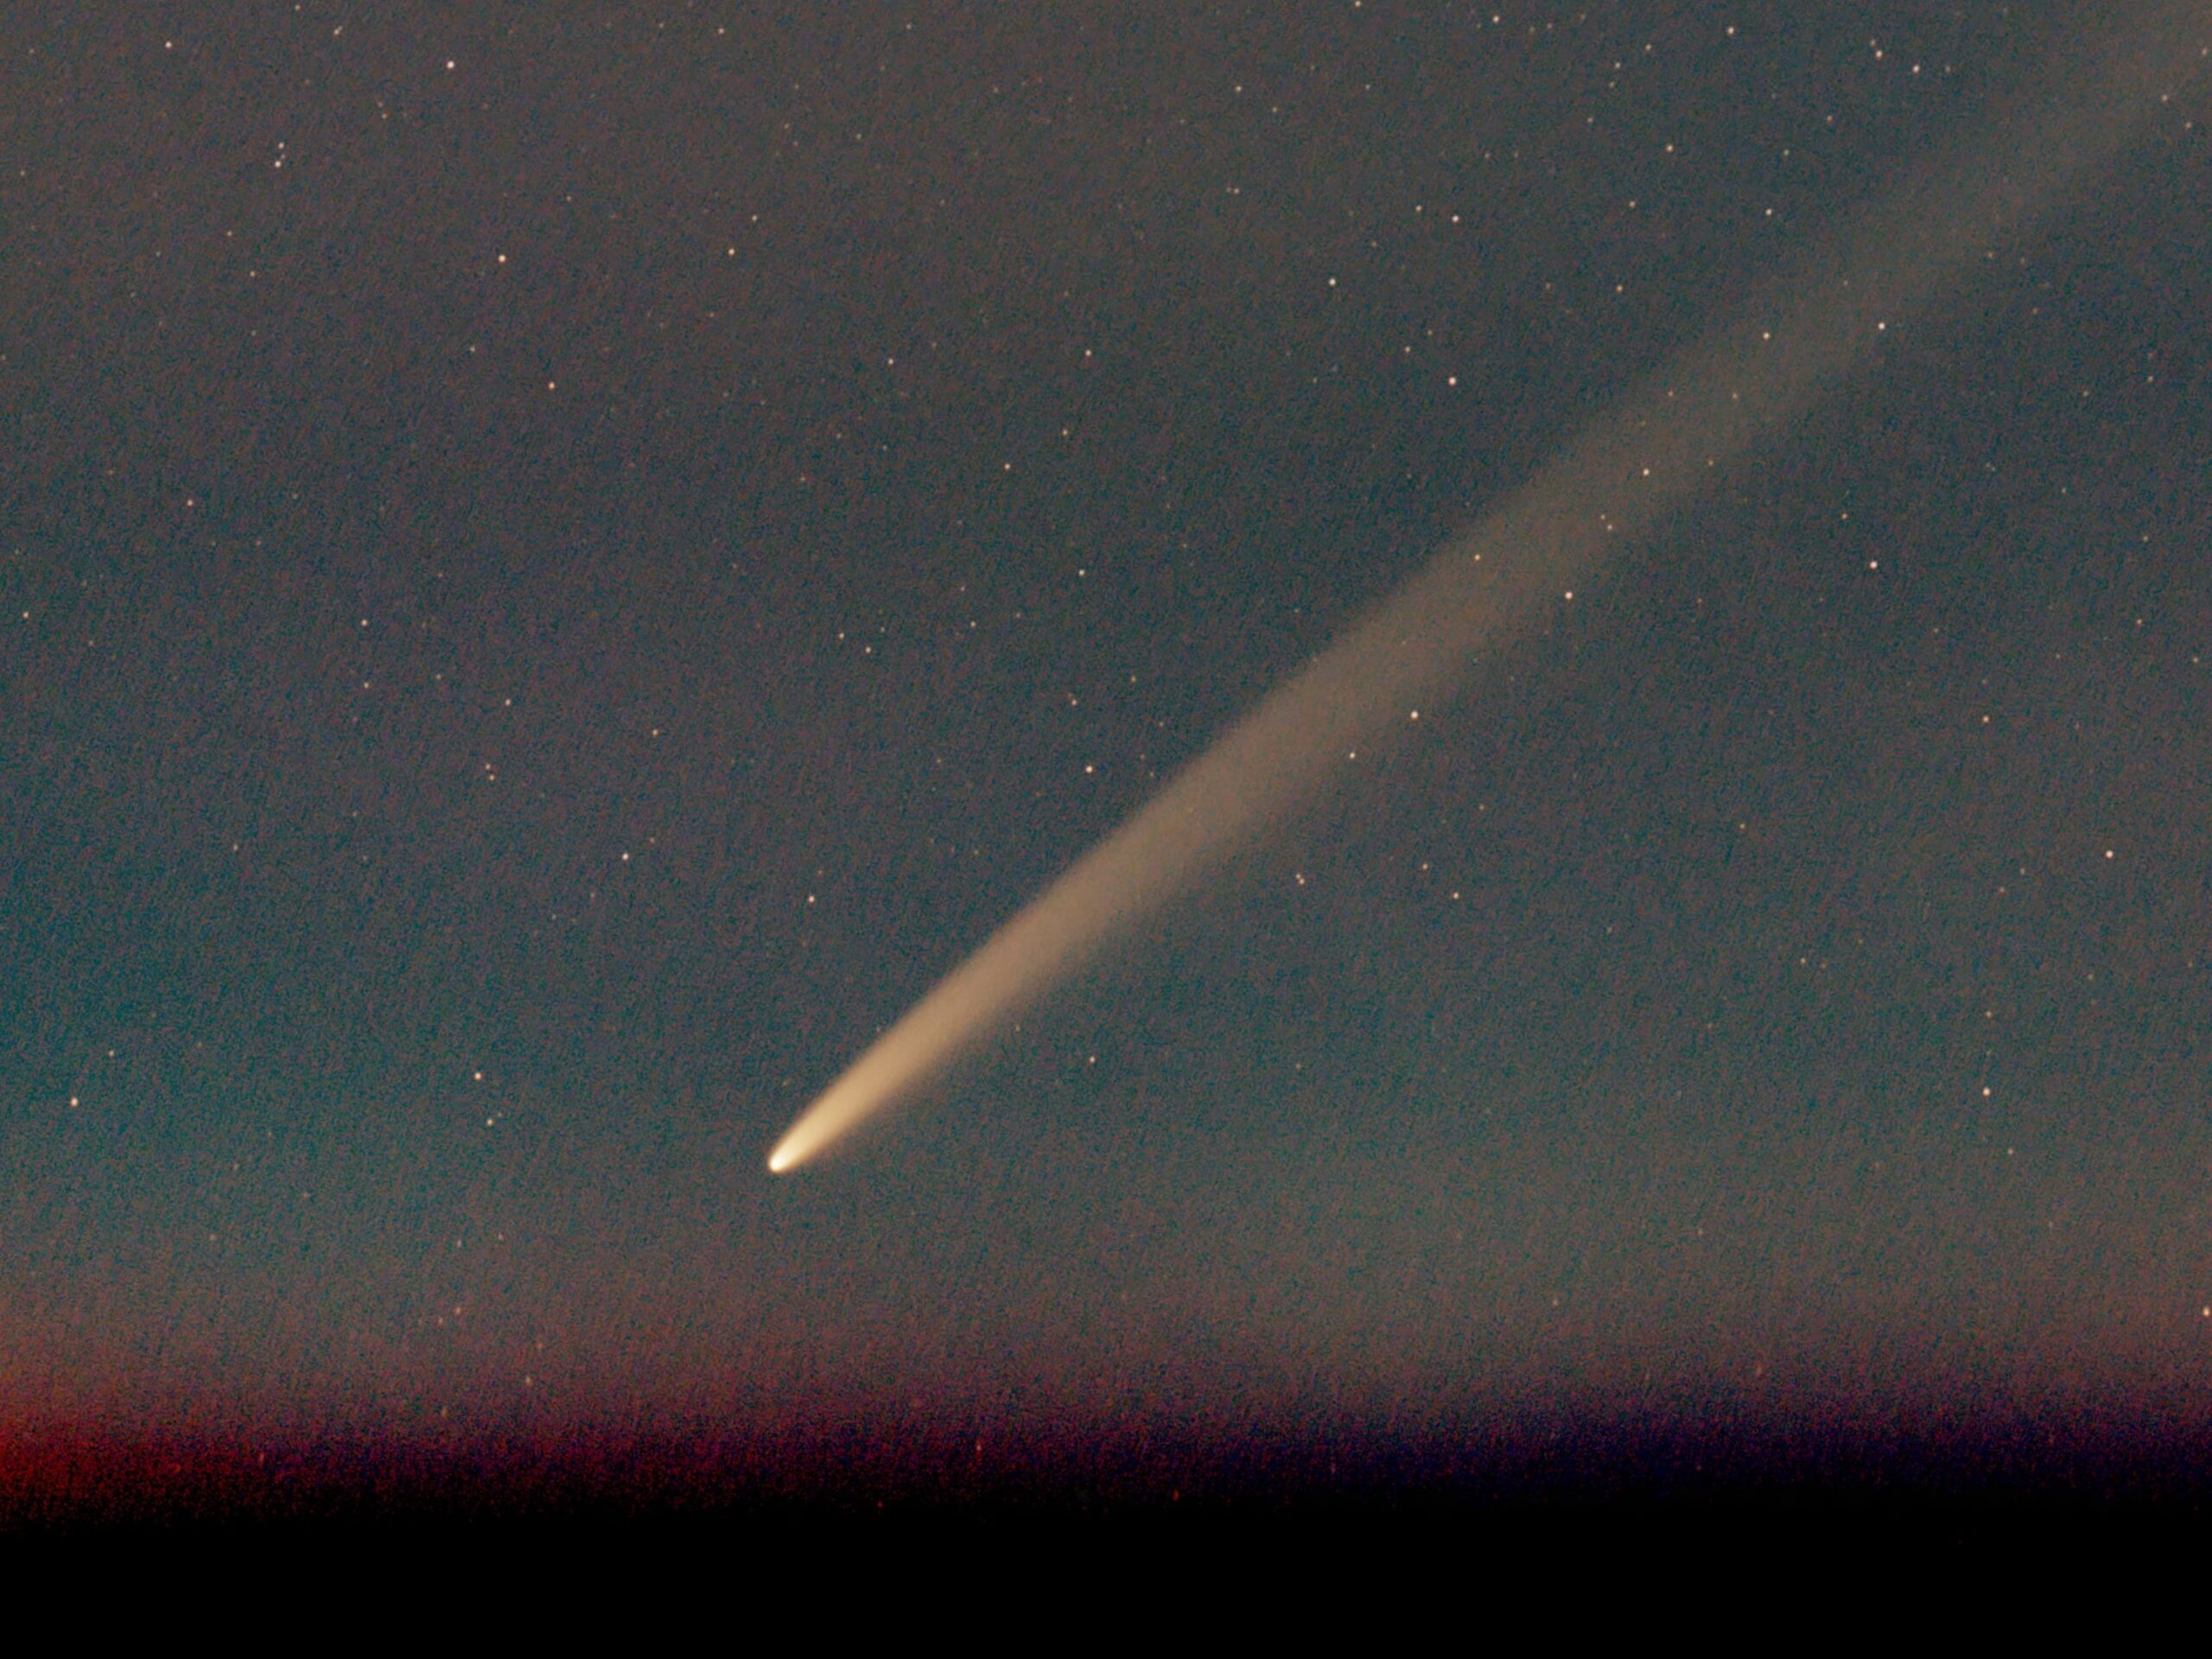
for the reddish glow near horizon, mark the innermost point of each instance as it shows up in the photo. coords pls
(1827, 315)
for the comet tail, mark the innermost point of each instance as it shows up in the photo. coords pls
(1824, 316)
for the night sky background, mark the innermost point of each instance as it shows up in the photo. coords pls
(559, 566)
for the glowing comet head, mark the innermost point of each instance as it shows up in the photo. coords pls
(916, 1049)
(806, 1138)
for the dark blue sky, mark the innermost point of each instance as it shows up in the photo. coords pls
(608, 552)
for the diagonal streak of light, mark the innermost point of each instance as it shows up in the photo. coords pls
(1821, 318)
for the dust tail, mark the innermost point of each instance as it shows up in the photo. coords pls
(1814, 323)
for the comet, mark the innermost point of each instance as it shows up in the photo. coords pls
(1829, 315)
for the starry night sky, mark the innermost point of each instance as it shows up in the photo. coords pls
(561, 565)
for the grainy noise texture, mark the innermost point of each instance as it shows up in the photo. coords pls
(1641, 461)
(560, 567)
